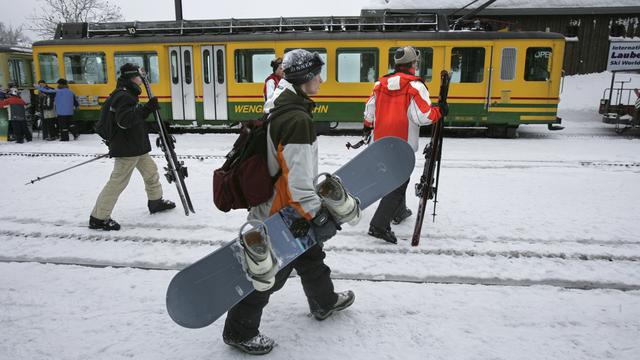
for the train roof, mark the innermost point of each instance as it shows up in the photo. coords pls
(6, 48)
(303, 36)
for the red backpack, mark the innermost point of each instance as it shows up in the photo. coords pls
(244, 181)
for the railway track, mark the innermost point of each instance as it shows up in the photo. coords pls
(100, 237)
(450, 163)
(452, 280)
(56, 154)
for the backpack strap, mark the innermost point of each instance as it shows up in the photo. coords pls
(268, 117)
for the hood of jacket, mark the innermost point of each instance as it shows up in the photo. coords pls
(131, 87)
(287, 94)
(397, 82)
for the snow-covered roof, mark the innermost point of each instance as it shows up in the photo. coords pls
(14, 48)
(500, 4)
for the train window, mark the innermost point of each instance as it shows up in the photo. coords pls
(220, 66)
(425, 66)
(187, 67)
(467, 65)
(20, 72)
(323, 56)
(508, 66)
(174, 67)
(537, 64)
(206, 66)
(48, 67)
(253, 65)
(146, 60)
(85, 68)
(357, 65)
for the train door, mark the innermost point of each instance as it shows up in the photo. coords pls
(470, 86)
(183, 101)
(504, 82)
(214, 82)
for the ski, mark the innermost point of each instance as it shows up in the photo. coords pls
(425, 189)
(175, 169)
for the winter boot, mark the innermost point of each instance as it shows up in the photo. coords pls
(386, 235)
(160, 205)
(401, 216)
(257, 345)
(345, 299)
(109, 224)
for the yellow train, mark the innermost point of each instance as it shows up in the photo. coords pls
(212, 72)
(16, 70)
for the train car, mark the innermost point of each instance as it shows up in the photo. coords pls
(16, 67)
(16, 70)
(210, 73)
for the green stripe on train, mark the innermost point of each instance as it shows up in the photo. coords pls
(459, 114)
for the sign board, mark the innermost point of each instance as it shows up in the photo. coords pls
(624, 56)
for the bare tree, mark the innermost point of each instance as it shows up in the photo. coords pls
(13, 36)
(52, 12)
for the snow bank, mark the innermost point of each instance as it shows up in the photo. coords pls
(583, 92)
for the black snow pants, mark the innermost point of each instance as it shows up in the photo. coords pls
(243, 320)
(390, 206)
(21, 130)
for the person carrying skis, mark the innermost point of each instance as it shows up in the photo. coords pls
(130, 148)
(271, 82)
(292, 149)
(47, 110)
(398, 106)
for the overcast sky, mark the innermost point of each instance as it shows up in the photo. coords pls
(146, 10)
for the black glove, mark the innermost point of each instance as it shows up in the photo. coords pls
(324, 226)
(152, 105)
(444, 108)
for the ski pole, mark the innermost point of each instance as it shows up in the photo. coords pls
(366, 139)
(438, 158)
(63, 170)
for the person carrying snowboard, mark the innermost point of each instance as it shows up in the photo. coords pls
(398, 106)
(292, 150)
(130, 148)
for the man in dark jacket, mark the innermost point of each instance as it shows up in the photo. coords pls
(130, 148)
(47, 110)
(292, 148)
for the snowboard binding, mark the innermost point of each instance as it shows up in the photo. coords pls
(344, 207)
(261, 263)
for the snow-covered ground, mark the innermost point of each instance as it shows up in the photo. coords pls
(534, 254)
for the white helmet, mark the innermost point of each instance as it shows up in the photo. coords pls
(14, 92)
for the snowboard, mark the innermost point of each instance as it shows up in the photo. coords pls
(202, 292)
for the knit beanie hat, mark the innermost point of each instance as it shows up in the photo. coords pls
(129, 71)
(300, 66)
(406, 55)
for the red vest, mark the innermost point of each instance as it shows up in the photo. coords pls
(273, 77)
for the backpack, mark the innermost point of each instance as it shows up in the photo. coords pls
(244, 181)
(105, 127)
(47, 101)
